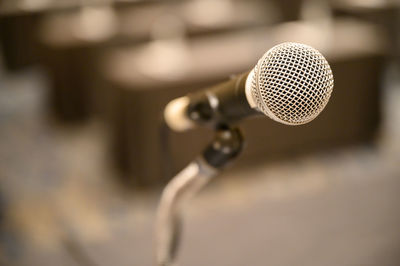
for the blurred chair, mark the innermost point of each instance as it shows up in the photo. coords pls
(290, 10)
(70, 43)
(385, 13)
(18, 40)
(18, 29)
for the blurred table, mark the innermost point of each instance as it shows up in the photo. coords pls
(72, 41)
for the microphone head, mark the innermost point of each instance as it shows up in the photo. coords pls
(292, 83)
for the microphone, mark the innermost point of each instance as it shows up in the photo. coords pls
(291, 84)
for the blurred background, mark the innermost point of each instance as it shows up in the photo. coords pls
(84, 152)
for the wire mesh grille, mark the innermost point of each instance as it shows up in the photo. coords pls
(292, 83)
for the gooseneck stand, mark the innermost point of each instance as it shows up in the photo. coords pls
(225, 147)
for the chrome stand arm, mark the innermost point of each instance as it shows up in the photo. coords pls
(225, 147)
(168, 224)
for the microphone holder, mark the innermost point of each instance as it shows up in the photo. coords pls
(224, 148)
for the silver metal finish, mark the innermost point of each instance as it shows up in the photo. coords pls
(182, 187)
(292, 83)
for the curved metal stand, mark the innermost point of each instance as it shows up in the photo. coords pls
(226, 146)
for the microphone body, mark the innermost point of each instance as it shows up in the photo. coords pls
(221, 104)
(291, 84)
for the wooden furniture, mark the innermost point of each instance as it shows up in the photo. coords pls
(73, 40)
(385, 13)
